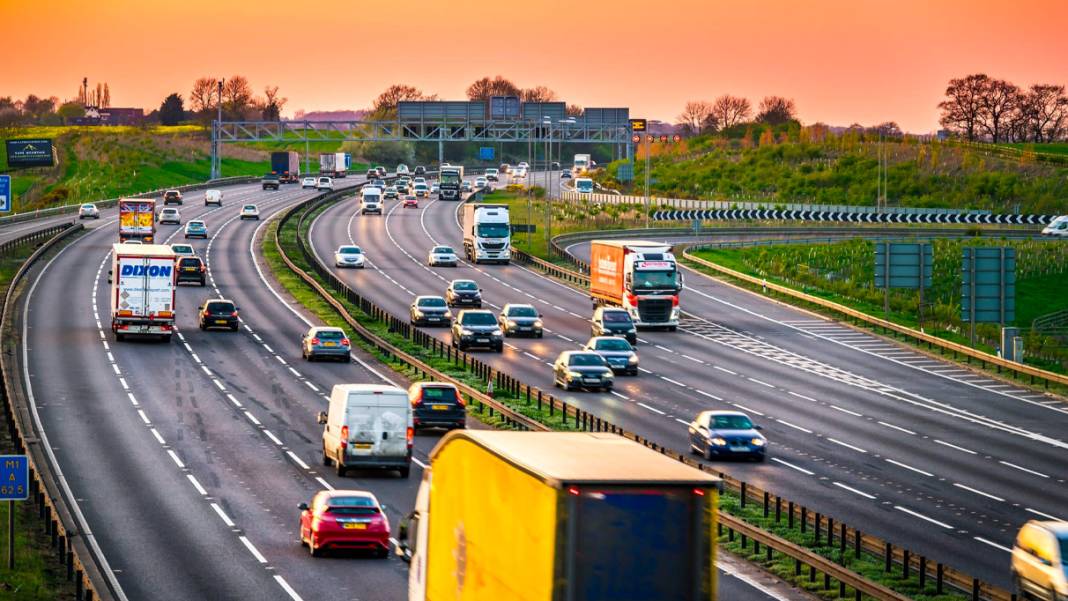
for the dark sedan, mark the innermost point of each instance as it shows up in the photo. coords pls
(429, 311)
(727, 434)
(581, 369)
(520, 320)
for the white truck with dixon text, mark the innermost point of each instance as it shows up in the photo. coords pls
(142, 294)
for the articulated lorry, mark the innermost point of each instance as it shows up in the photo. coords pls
(487, 233)
(333, 164)
(450, 182)
(137, 220)
(143, 283)
(559, 516)
(582, 165)
(641, 277)
(286, 165)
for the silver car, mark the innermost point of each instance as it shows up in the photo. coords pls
(349, 256)
(88, 211)
(325, 342)
(170, 215)
(617, 352)
(442, 255)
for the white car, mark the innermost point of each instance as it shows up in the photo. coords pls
(213, 197)
(402, 169)
(183, 250)
(419, 180)
(435, 188)
(324, 183)
(349, 256)
(481, 182)
(308, 182)
(1057, 227)
(250, 212)
(442, 255)
(391, 192)
(88, 211)
(170, 215)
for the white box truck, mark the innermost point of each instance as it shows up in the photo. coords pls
(142, 290)
(487, 233)
(332, 164)
(582, 165)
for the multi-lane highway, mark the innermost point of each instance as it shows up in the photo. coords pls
(919, 451)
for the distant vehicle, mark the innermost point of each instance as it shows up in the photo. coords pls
(213, 197)
(170, 215)
(333, 164)
(196, 229)
(344, 519)
(308, 182)
(437, 405)
(402, 187)
(137, 220)
(583, 185)
(183, 250)
(505, 169)
(582, 164)
(617, 352)
(523, 165)
(372, 173)
(410, 201)
(286, 165)
(641, 277)
(391, 192)
(450, 180)
(418, 180)
(368, 426)
(370, 200)
(349, 256)
(442, 255)
(435, 188)
(492, 174)
(554, 165)
(135, 242)
(481, 182)
(466, 186)
(520, 320)
(1040, 560)
(608, 321)
(421, 190)
(463, 292)
(325, 342)
(580, 510)
(580, 369)
(518, 174)
(270, 181)
(565, 174)
(477, 329)
(487, 233)
(726, 434)
(429, 311)
(172, 197)
(218, 313)
(402, 169)
(1058, 227)
(142, 291)
(88, 211)
(381, 171)
(419, 170)
(324, 183)
(378, 183)
(250, 212)
(191, 269)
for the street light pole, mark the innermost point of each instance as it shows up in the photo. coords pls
(216, 168)
(548, 204)
(648, 138)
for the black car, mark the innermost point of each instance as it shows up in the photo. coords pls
(726, 434)
(464, 292)
(520, 320)
(372, 174)
(271, 181)
(419, 170)
(172, 196)
(437, 405)
(192, 269)
(477, 329)
(580, 369)
(608, 321)
(218, 313)
(402, 186)
(430, 311)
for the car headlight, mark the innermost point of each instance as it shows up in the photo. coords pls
(719, 442)
(418, 312)
(574, 374)
(633, 360)
(466, 332)
(537, 323)
(512, 323)
(497, 332)
(608, 375)
(758, 442)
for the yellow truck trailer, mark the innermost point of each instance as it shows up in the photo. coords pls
(559, 516)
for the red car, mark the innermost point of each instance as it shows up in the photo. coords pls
(344, 519)
(410, 201)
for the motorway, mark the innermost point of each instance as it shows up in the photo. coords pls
(188, 459)
(919, 451)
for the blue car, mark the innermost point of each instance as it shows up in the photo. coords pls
(196, 229)
(726, 434)
(326, 342)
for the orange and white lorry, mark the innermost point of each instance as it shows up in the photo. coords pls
(639, 276)
(137, 220)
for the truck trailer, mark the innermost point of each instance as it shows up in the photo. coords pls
(559, 516)
(582, 165)
(286, 165)
(333, 164)
(639, 276)
(487, 233)
(137, 220)
(450, 182)
(143, 283)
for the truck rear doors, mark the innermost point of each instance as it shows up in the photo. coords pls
(378, 425)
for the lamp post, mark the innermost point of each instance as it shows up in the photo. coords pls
(548, 122)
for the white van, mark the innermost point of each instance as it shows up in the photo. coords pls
(368, 426)
(213, 197)
(370, 200)
(1057, 227)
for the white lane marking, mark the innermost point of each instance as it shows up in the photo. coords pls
(707, 394)
(273, 438)
(923, 517)
(252, 418)
(312, 386)
(898, 428)
(280, 359)
(222, 515)
(846, 445)
(234, 400)
(978, 492)
(269, 349)
(297, 460)
(675, 382)
(794, 426)
(622, 396)
(992, 544)
(792, 466)
(218, 385)
(159, 438)
(909, 467)
(749, 409)
(196, 485)
(653, 409)
(682, 421)
(416, 461)
(288, 589)
(762, 383)
(665, 349)
(853, 413)
(953, 446)
(733, 373)
(143, 416)
(324, 483)
(177, 460)
(1045, 515)
(534, 357)
(252, 549)
(295, 372)
(1023, 469)
(854, 491)
(693, 359)
(133, 399)
(801, 396)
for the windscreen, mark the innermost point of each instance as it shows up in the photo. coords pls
(464, 285)
(431, 302)
(731, 422)
(191, 262)
(330, 334)
(450, 178)
(493, 230)
(522, 312)
(616, 317)
(221, 307)
(352, 506)
(584, 186)
(586, 360)
(443, 250)
(350, 250)
(654, 279)
(613, 344)
(439, 394)
(370, 198)
(479, 319)
(1064, 549)
(636, 544)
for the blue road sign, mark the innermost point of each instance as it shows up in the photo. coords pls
(5, 193)
(486, 153)
(14, 478)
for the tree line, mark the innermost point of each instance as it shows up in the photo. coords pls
(385, 104)
(727, 112)
(982, 108)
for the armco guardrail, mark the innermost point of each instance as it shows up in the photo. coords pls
(35, 236)
(821, 526)
(70, 540)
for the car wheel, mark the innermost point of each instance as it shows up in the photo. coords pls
(326, 458)
(540, 334)
(202, 326)
(381, 553)
(673, 328)
(234, 328)
(165, 338)
(340, 467)
(500, 348)
(405, 471)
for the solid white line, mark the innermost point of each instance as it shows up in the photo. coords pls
(923, 517)
(196, 485)
(296, 459)
(222, 515)
(159, 438)
(675, 382)
(755, 381)
(846, 445)
(325, 484)
(992, 544)
(288, 589)
(801, 396)
(174, 456)
(252, 418)
(219, 385)
(143, 416)
(953, 446)
(1023, 469)
(899, 428)
(1045, 515)
(854, 413)
(653, 409)
(792, 466)
(854, 491)
(909, 467)
(273, 437)
(794, 426)
(707, 394)
(733, 373)
(978, 492)
(251, 549)
(312, 386)
(693, 359)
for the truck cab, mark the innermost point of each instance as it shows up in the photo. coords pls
(584, 185)
(487, 233)
(451, 182)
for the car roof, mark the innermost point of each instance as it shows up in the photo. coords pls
(595, 339)
(428, 296)
(1057, 528)
(436, 385)
(337, 493)
(326, 329)
(194, 222)
(457, 281)
(473, 311)
(719, 413)
(218, 300)
(518, 306)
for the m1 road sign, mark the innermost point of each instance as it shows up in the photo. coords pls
(5, 193)
(14, 478)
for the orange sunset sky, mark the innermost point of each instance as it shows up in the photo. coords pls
(843, 61)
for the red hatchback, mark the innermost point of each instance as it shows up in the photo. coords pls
(344, 519)
(410, 201)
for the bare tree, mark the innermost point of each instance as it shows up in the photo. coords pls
(105, 96)
(1046, 112)
(998, 101)
(573, 110)
(963, 106)
(695, 116)
(888, 129)
(728, 111)
(272, 104)
(486, 87)
(776, 110)
(537, 94)
(237, 96)
(202, 98)
(386, 102)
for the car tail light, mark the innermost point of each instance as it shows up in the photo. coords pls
(234, 314)
(418, 400)
(411, 436)
(344, 342)
(675, 301)
(460, 400)
(202, 268)
(207, 313)
(315, 341)
(344, 437)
